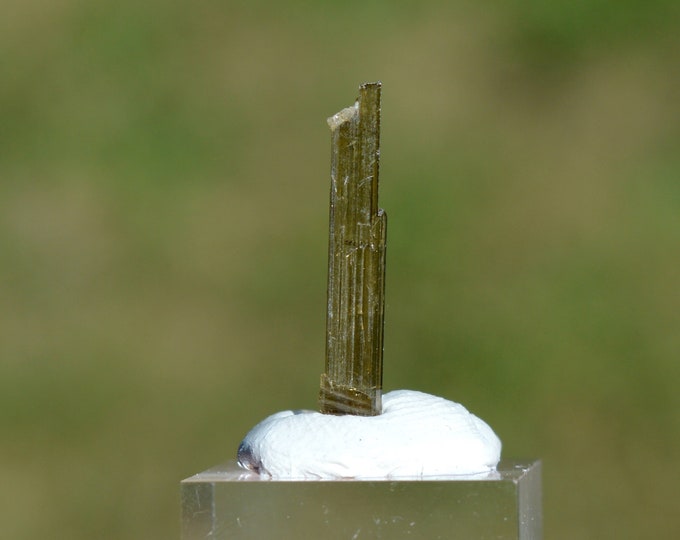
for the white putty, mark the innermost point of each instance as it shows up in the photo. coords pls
(416, 435)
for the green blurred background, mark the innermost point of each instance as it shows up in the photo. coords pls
(163, 235)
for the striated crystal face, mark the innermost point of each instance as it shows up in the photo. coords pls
(352, 382)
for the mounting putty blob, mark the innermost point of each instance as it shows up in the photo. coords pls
(417, 435)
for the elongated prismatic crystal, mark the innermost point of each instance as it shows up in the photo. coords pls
(352, 383)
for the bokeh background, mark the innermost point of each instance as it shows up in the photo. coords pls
(163, 234)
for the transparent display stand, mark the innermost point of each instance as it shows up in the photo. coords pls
(227, 502)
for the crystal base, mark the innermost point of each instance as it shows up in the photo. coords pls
(229, 502)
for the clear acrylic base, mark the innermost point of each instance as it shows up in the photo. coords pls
(229, 502)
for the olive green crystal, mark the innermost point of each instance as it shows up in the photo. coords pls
(352, 383)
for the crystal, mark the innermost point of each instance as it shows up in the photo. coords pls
(352, 382)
